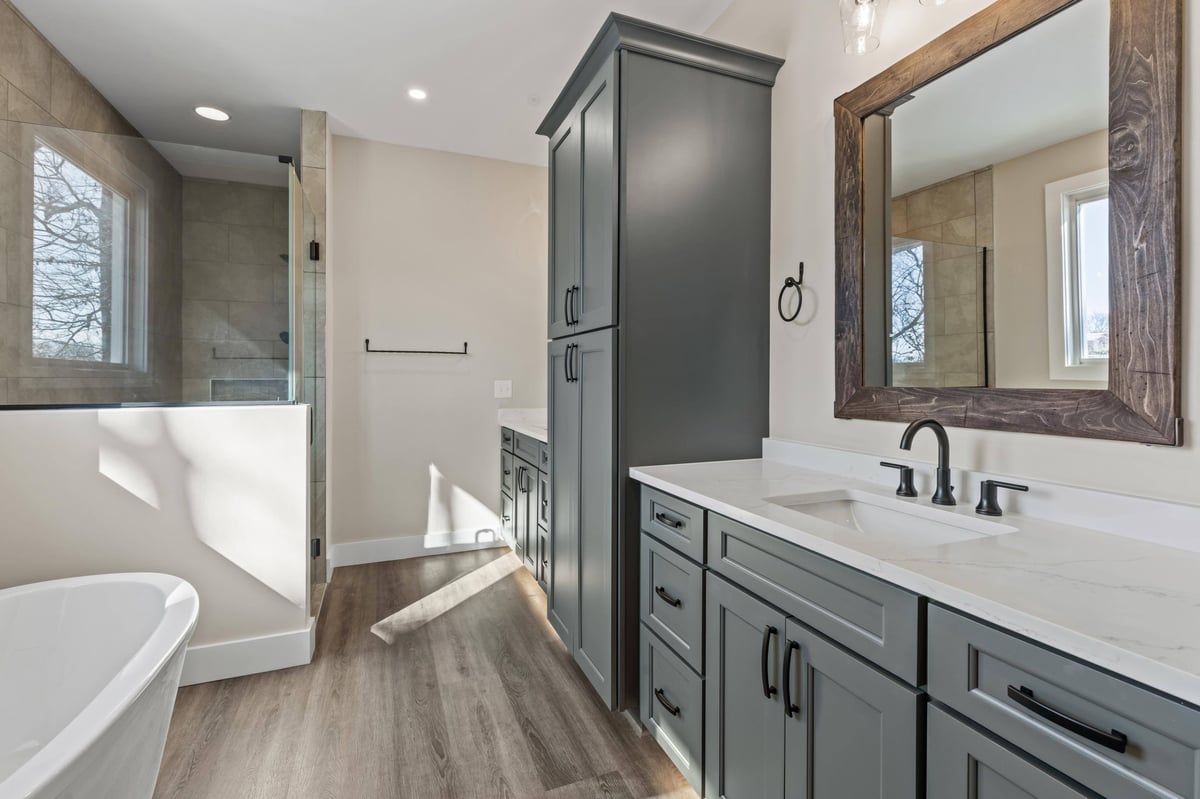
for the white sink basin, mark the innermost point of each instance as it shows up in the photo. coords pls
(878, 516)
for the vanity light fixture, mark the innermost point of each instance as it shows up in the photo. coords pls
(861, 20)
(210, 113)
(417, 94)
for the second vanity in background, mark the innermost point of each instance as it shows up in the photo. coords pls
(525, 488)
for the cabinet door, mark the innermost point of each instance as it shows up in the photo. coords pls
(507, 521)
(594, 370)
(853, 730)
(564, 226)
(562, 595)
(526, 510)
(965, 764)
(595, 300)
(521, 509)
(744, 720)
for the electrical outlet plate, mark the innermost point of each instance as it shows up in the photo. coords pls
(503, 389)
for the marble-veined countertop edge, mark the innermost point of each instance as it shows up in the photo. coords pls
(1128, 606)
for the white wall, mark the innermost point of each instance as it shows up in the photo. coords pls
(433, 249)
(1019, 216)
(802, 354)
(215, 495)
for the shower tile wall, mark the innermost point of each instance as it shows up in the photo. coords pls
(235, 291)
(43, 99)
(953, 220)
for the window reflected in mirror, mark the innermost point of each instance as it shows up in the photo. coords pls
(990, 260)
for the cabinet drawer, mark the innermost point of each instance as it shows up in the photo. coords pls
(672, 591)
(962, 762)
(872, 618)
(1065, 713)
(506, 439)
(672, 706)
(673, 521)
(527, 447)
(506, 472)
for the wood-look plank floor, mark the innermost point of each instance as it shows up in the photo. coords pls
(474, 696)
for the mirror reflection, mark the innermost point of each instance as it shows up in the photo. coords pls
(992, 263)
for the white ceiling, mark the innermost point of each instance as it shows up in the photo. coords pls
(1048, 85)
(491, 67)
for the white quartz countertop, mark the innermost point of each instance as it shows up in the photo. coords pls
(526, 421)
(1129, 606)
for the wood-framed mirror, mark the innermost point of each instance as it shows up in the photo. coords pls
(979, 181)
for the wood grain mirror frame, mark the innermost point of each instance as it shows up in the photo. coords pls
(1143, 399)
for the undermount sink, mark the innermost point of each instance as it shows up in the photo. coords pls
(870, 514)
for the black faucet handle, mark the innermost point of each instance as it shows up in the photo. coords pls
(906, 488)
(988, 504)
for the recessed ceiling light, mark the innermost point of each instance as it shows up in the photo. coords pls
(417, 94)
(215, 114)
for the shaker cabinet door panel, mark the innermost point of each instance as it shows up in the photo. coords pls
(562, 595)
(853, 730)
(594, 369)
(565, 204)
(744, 720)
(597, 123)
(966, 764)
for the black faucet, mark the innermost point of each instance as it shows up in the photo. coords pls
(944, 495)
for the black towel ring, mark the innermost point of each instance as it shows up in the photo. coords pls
(798, 285)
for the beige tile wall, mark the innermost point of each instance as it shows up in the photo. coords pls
(41, 94)
(953, 219)
(235, 289)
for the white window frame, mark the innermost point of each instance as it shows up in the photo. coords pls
(132, 336)
(1062, 265)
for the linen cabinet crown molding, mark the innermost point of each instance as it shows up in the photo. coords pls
(621, 32)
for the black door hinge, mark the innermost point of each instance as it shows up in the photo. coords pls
(314, 250)
(316, 548)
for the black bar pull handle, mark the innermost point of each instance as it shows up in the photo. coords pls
(576, 304)
(792, 710)
(665, 597)
(567, 307)
(1110, 740)
(661, 696)
(667, 521)
(768, 689)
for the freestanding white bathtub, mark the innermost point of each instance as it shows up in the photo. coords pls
(89, 668)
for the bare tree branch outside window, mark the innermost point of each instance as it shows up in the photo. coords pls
(79, 254)
(908, 304)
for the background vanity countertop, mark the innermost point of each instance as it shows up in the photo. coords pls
(527, 421)
(1127, 605)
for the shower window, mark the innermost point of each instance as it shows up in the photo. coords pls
(85, 304)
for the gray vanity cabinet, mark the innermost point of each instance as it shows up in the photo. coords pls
(524, 501)
(852, 730)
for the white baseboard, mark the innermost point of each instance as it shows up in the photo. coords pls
(249, 655)
(378, 550)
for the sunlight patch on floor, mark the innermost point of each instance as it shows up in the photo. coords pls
(446, 598)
